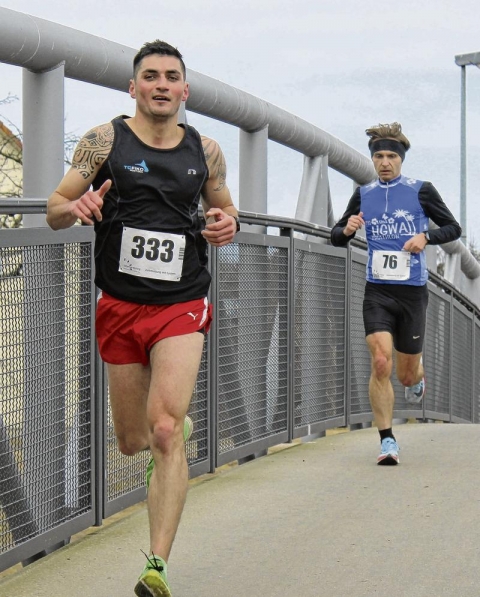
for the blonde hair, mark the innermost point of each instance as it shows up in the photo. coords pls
(388, 131)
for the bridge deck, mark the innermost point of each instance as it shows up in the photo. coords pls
(316, 519)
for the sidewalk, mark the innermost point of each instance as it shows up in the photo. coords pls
(319, 519)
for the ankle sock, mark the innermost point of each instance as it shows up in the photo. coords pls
(386, 433)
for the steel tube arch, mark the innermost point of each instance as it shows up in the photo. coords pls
(40, 45)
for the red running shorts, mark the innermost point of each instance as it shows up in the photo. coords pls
(127, 331)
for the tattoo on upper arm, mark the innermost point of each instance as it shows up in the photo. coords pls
(93, 149)
(215, 162)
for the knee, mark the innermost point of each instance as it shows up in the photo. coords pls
(407, 378)
(129, 445)
(165, 435)
(381, 366)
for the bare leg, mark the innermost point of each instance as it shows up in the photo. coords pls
(148, 408)
(128, 391)
(381, 392)
(409, 368)
(174, 362)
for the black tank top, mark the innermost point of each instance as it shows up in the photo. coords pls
(156, 190)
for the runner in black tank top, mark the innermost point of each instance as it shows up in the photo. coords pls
(156, 190)
(148, 174)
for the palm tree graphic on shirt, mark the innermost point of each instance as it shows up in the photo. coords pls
(409, 219)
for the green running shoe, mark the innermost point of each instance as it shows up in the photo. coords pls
(152, 582)
(187, 433)
(187, 428)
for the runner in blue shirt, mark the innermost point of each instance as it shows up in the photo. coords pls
(395, 211)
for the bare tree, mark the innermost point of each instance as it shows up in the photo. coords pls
(11, 162)
(11, 155)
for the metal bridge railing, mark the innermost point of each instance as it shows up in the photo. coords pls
(286, 358)
(49, 53)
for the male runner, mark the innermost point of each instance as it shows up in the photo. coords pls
(395, 211)
(147, 175)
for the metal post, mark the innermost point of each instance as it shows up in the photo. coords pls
(347, 375)
(253, 173)
(473, 373)
(213, 368)
(313, 200)
(43, 135)
(290, 334)
(463, 154)
(43, 156)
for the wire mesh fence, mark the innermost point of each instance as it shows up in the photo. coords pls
(286, 357)
(45, 388)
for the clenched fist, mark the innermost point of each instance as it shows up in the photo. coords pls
(354, 223)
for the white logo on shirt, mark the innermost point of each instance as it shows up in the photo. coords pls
(401, 224)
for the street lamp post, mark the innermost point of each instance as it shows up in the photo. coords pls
(463, 60)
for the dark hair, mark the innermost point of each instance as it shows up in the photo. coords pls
(157, 47)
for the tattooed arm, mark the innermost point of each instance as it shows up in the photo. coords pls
(218, 207)
(72, 199)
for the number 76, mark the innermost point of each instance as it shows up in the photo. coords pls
(390, 261)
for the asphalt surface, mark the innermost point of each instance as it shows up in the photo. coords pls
(316, 519)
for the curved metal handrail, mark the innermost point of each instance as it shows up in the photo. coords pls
(40, 45)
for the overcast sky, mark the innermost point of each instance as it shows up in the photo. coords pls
(342, 66)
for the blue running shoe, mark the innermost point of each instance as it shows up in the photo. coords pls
(389, 452)
(414, 394)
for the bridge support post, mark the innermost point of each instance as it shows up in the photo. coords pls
(44, 399)
(253, 173)
(314, 204)
(43, 135)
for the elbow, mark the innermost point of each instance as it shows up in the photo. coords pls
(50, 222)
(333, 237)
(338, 239)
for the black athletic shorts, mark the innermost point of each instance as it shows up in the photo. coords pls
(400, 309)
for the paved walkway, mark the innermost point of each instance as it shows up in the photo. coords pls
(318, 519)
